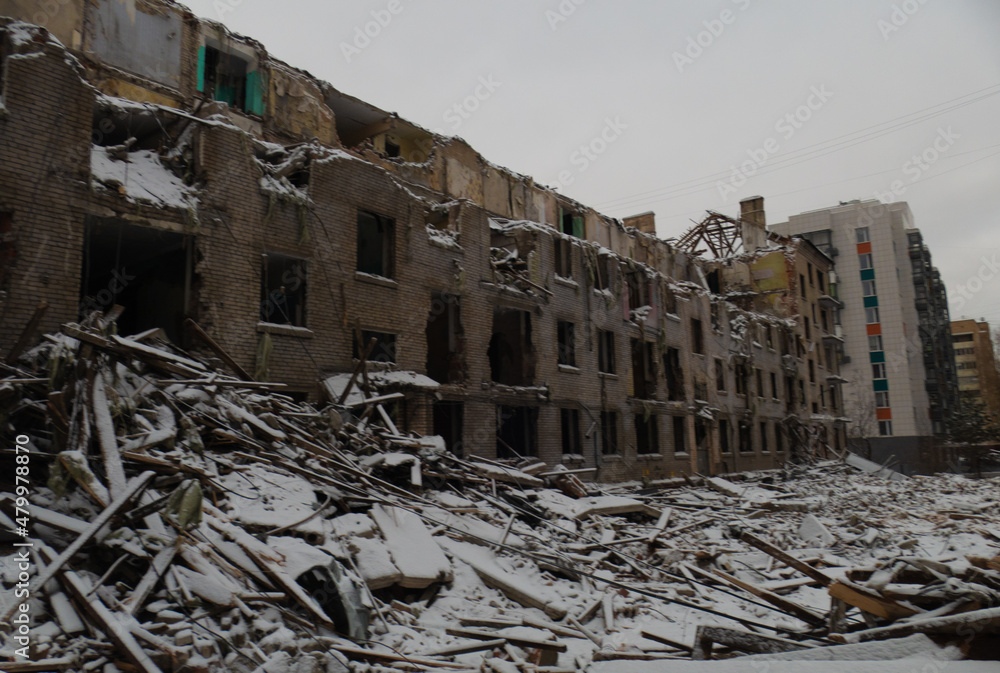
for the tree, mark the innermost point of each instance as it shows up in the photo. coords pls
(864, 424)
(972, 427)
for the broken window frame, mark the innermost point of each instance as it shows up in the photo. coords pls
(602, 272)
(572, 440)
(606, 351)
(506, 375)
(529, 431)
(248, 88)
(720, 375)
(383, 238)
(674, 373)
(563, 252)
(725, 438)
(764, 444)
(571, 223)
(697, 337)
(451, 348)
(744, 433)
(643, 369)
(566, 343)
(283, 284)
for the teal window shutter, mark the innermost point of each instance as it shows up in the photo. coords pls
(881, 385)
(578, 227)
(201, 68)
(256, 83)
(871, 302)
(877, 357)
(868, 274)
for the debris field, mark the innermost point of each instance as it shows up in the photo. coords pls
(186, 519)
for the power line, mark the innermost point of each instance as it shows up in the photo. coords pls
(810, 152)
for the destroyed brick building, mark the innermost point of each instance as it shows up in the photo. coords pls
(154, 160)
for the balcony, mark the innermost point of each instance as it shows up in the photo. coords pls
(836, 380)
(829, 301)
(832, 339)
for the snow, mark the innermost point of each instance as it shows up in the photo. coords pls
(411, 546)
(335, 385)
(143, 178)
(443, 237)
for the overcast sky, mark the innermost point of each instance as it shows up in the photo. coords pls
(691, 106)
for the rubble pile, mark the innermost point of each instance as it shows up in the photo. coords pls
(185, 519)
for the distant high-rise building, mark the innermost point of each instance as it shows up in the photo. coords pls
(978, 378)
(898, 358)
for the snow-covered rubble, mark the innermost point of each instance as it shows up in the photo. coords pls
(185, 520)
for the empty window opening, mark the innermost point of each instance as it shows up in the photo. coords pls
(647, 436)
(764, 445)
(385, 346)
(674, 375)
(714, 285)
(444, 217)
(779, 438)
(606, 351)
(148, 271)
(812, 372)
(376, 244)
(445, 339)
(232, 78)
(701, 445)
(697, 336)
(669, 301)
(4, 52)
(680, 434)
(567, 343)
(392, 149)
(746, 438)
(760, 383)
(713, 312)
(283, 290)
(572, 443)
(564, 257)
(720, 375)
(775, 393)
(571, 223)
(643, 370)
(609, 432)
(638, 289)
(742, 376)
(512, 358)
(602, 273)
(517, 432)
(449, 418)
(725, 445)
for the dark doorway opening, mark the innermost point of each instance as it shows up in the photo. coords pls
(449, 418)
(512, 358)
(517, 432)
(146, 270)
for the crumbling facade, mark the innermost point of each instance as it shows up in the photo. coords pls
(159, 163)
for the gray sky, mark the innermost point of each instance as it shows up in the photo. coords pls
(692, 99)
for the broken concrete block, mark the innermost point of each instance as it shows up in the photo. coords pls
(815, 533)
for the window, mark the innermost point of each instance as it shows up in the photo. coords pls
(232, 78)
(878, 370)
(865, 261)
(647, 439)
(674, 374)
(376, 244)
(609, 432)
(697, 337)
(875, 342)
(885, 428)
(742, 375)
(680, 434)
(764, 448)
(779, 439)
(724, 439)
(283, 290)
(802, 284)
(602, 273)
(511, 353)
(669, 301)
(571, 442)
(638, 289)
(760, 383)
(567, 343)
(384, 350)
(769, 335)
(868, 288)
(606, 351)
(882, 399)
(564, 257)
(862, 234)
(445, 338)
(720, 375)
(810, 270)
(774, 386)
(812, 372)
(746, 438)
(517, 432)
(643, 369)
(8, 251)
(871, 315)
(571, 223)
(716, 320)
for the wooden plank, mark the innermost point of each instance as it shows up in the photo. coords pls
(217, 349)
(868, 600)
(519, 640)
(365, 352)
(656, 637)
(661, 525)
(744, 641)
(114, 508)
(469, 646)
(157, 569)
(791, 608)
(786, 558)
(373, 657)
(42, 665)
(104, 426)
(965, 624)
